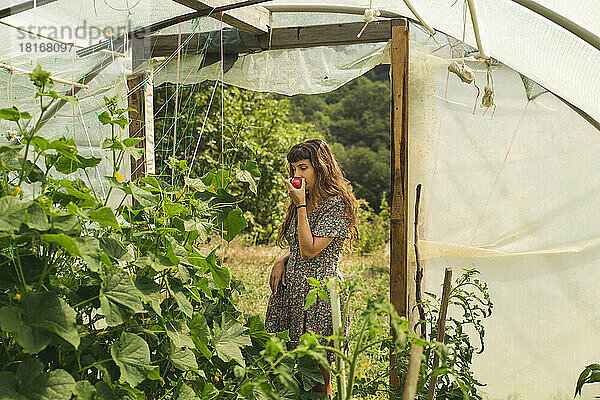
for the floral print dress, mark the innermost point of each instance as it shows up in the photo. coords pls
(286, 307)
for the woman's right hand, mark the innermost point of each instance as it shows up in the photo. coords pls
(277, 275)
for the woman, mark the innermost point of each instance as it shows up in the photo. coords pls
(321, 217)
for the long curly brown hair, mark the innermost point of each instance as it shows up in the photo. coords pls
(329, 181)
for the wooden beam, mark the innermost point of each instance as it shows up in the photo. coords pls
(441, 328)
(284, 38)
(135, 101)
(327, 35)
(25, 6)
(399, 179)
(252, 18)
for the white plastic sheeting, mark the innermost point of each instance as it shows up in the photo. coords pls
(289, 72)
(514, 196)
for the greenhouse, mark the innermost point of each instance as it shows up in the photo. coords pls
(115, 222)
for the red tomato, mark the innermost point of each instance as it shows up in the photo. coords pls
(296, 182)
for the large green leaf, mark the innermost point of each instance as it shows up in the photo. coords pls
(309, 371)
(221, 275)
(248, 172)
(132, 354)
(84, 391)
(200, 334)
(149, 292)
(158, 262)
(181, 296)
(183, 359)
(179, 333)
(32, 339)
(13, 114)
(190, 224)
(35, 317)
(134, 152)
(36, 384)
(184, 392)
(12, 213)
(118, 296)
(175, 251)
(105, 217)
(230, 336)
(68, 165)
(144, 197)
(114, 248)
(47, 310)
(92, 254)
(105, 391)
(65, 241)
(204, 390)
(9, 386)
(197, 184)
(233, 224)
(172, 209)
(36, 217)
(67, 223)
(257, 330)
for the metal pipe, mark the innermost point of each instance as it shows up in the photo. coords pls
(326, 8)
(26, 6)
(155, 27)
(416, 14)
(344, 9)
(561, 21)
(476, 29)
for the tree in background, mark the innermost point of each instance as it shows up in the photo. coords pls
(257, 126)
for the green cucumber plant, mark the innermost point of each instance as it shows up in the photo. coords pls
(103, 303)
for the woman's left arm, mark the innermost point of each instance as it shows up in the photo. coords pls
(310, 245)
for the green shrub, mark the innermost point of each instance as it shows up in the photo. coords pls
(373, 229)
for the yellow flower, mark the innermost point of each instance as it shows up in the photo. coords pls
(118, 176)
(17, 190)
(178, 196)
(17, 297)
(102, 333)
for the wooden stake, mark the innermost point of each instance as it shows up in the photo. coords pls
(441, 328)
(135, 100)
(412, 375)
(419, 274)
(399, 179)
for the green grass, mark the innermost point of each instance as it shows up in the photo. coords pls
(252, 265)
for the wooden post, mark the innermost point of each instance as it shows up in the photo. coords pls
(399, 177)
(441, 327)
(135, 101)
